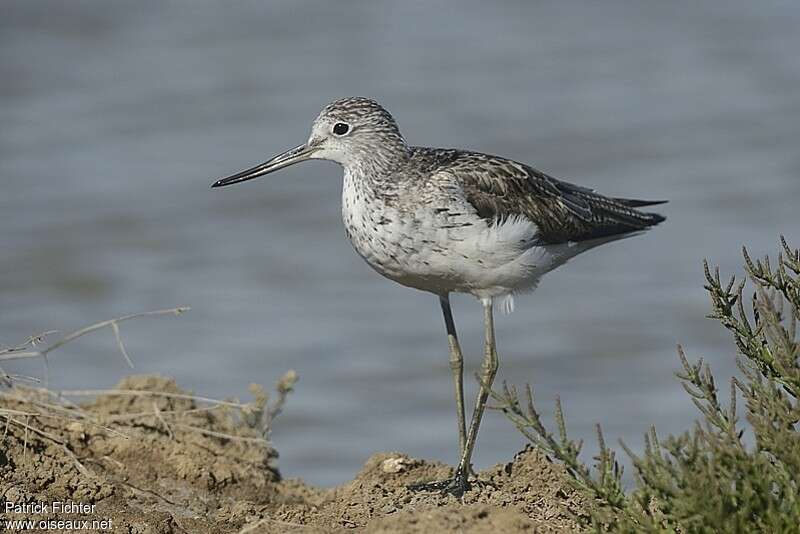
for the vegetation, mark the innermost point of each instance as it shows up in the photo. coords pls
(722, 475)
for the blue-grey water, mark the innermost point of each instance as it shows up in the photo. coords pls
(116, 117)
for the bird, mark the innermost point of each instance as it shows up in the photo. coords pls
(446, 221)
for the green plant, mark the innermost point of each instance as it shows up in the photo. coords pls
(720, 475)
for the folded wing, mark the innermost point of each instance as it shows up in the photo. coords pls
(499, 189)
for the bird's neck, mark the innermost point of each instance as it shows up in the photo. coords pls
(377, 167)
(364, 186)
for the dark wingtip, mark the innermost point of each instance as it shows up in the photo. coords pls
(637, 203)
(656, 218)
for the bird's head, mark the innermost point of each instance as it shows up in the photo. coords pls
(355, 132)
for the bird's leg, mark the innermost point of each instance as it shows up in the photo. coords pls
(457, 368)
(460, 481)
(490, 365)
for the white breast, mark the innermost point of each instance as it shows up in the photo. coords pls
(362, 221)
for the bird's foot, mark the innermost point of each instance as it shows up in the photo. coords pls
(456, 486)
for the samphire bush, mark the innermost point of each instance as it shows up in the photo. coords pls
(721, 475)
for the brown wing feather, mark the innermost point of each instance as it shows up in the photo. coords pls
(499, 188)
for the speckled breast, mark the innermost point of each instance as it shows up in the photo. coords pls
(397, 243)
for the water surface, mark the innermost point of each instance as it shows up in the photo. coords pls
(116, 118)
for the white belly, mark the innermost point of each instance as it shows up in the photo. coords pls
(437, 252)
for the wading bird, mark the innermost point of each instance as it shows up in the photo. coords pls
(448, 220)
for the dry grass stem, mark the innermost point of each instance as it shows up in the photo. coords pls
(147, 393)
(23, 351)
(158, 415)
(222, 435)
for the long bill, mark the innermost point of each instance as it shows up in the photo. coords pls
(284, 159)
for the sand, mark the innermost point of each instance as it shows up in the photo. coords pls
(175, 468)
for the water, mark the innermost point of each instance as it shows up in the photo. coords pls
(116, 118)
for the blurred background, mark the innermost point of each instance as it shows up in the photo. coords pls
(117, 117)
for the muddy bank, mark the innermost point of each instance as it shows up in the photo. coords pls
(148, 459)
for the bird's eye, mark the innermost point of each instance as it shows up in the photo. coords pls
(340, 128)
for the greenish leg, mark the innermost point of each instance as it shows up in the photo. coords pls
(460, 481)
(490, 365)
(457, 368)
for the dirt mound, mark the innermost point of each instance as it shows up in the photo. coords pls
(528, 493)
(151, 459)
